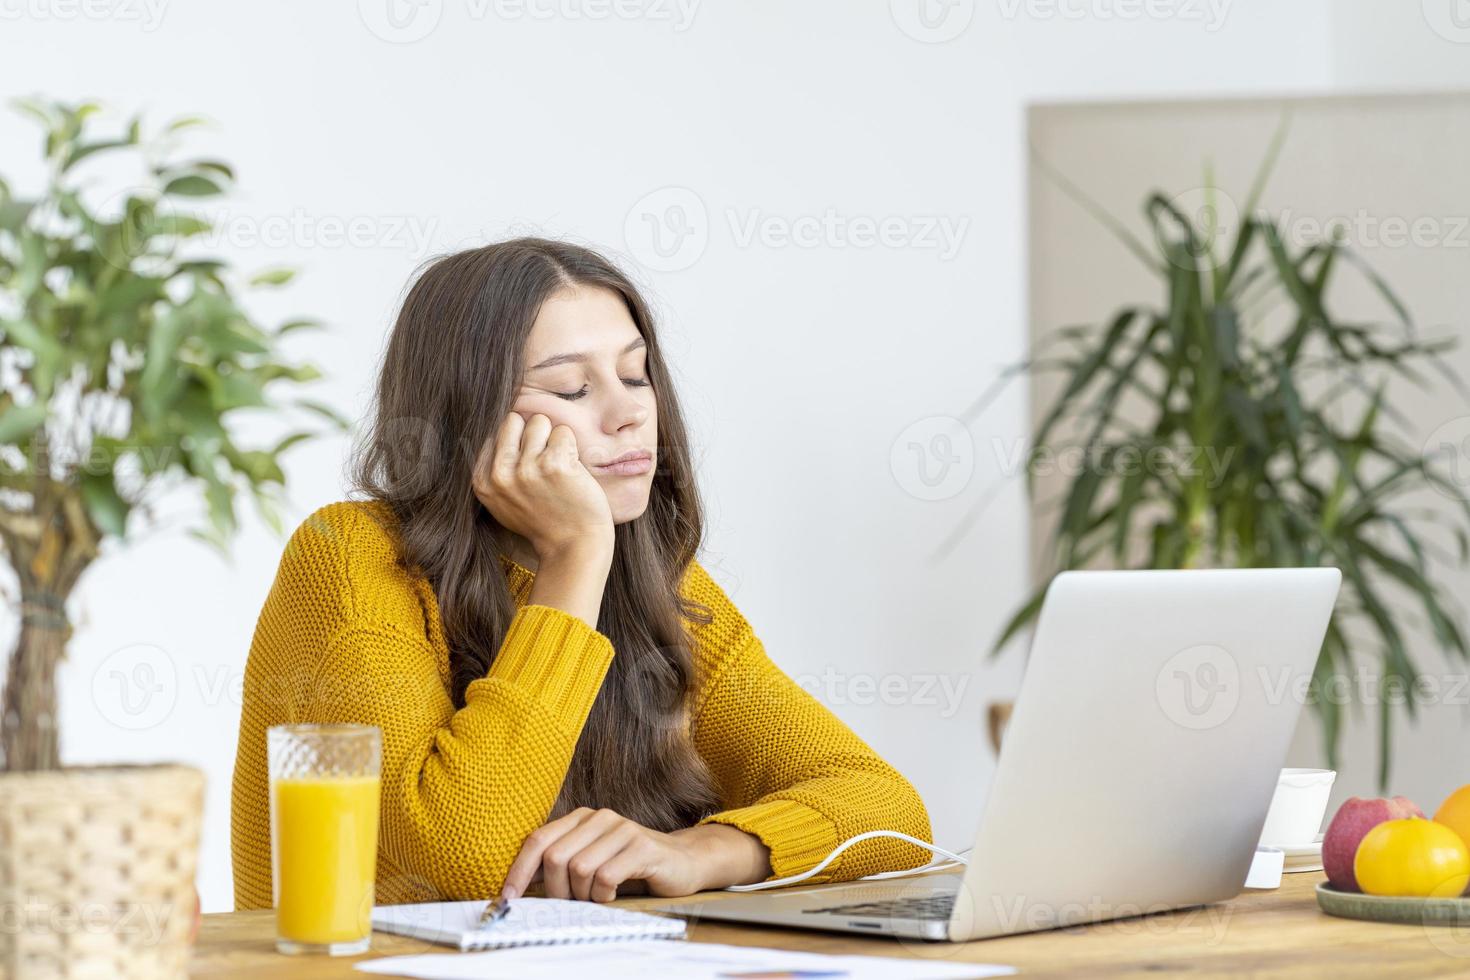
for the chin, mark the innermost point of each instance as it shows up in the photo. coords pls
(628, 505)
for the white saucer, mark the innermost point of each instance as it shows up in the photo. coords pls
(1313, 846)
(1302, 857)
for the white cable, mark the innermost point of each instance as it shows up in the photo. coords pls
(954, 860)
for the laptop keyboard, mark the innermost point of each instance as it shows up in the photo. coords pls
(936, 906)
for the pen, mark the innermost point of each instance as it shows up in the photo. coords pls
(495, 910)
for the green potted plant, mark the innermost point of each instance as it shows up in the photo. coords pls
(123, 356)
(1216, 365)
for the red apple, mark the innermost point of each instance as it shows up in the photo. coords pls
(1352, 821)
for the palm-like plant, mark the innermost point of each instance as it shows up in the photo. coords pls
(1218, 368)
(121, 360)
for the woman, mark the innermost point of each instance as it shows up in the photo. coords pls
(565, 694)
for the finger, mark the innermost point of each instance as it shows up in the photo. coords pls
(561, 444)
(584, 864)
(533, 438)
(504, 450)
(559, 855)
(632, 862)
(528, 861)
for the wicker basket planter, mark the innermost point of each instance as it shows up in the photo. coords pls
(97, 871)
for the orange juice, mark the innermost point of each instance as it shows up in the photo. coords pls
(326, 831)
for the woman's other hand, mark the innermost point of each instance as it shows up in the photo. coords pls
(588, 853)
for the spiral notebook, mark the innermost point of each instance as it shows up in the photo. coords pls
(530, 922)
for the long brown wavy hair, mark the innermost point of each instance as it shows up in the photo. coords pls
(449, 375)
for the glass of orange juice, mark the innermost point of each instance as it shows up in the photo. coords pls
(324, 835)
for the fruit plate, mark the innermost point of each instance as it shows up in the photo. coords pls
(1389, 908)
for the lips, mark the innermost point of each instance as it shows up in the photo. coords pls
(629, 455)
(633, 463)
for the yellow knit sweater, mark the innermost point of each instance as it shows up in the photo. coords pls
(347, 636)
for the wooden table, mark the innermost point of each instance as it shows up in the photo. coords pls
(1278, 933)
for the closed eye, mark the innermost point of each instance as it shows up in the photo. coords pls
(572, 396)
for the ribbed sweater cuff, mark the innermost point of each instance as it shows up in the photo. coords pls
(556, 657)
(797, 835)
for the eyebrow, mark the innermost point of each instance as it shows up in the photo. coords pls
(556, 359)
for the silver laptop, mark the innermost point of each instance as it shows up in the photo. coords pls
(1154, 716)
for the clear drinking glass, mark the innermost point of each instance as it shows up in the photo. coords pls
(324, 835)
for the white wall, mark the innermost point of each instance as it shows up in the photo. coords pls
(1400, 46)
(801, 366)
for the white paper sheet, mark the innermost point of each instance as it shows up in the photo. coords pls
(640, 959)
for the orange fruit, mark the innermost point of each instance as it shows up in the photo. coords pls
(1454, 813)
(1412, 857)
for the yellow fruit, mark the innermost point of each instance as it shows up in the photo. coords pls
(1412, 857)
(1454, 813)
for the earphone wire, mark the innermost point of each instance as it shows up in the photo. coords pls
(951, 860)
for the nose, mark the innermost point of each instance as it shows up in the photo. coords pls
(627, 411)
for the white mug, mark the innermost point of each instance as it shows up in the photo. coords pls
(1297, 807)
